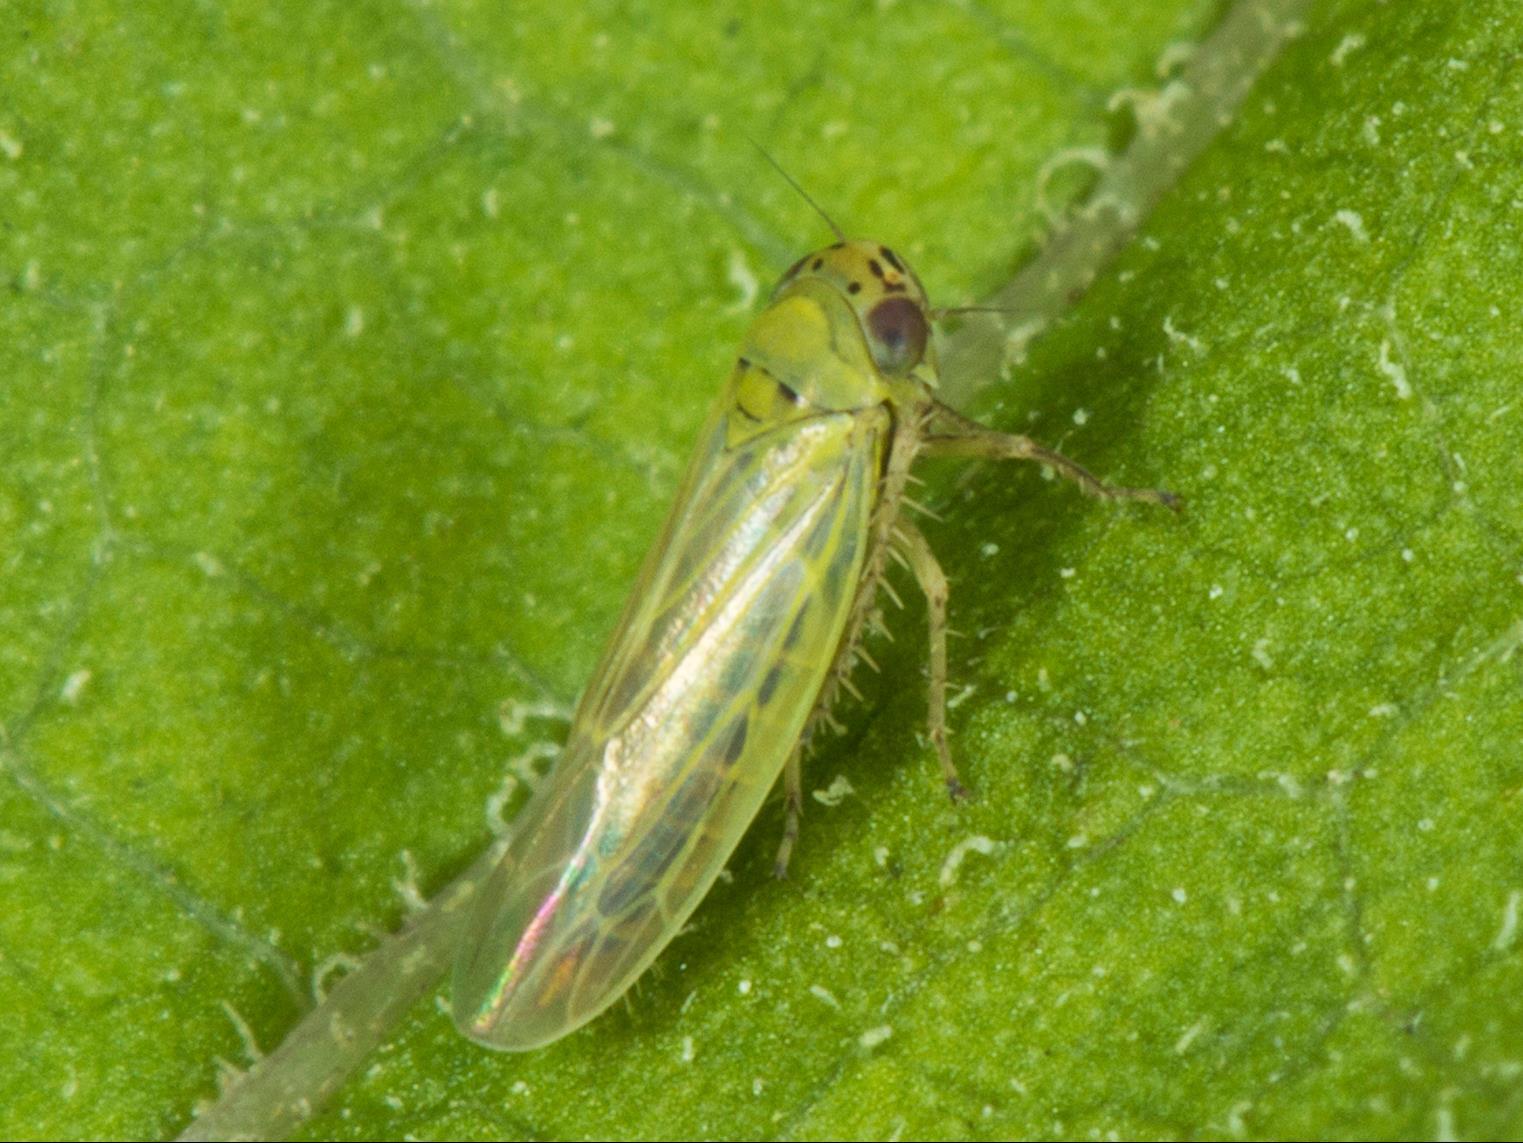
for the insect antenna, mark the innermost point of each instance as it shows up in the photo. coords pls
(802, 193)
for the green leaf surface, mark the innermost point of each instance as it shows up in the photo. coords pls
(349, 354)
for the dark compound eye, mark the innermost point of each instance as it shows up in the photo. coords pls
(897, 333)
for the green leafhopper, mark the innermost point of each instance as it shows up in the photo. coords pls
(745, 623)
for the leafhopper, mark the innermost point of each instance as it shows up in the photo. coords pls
(743, 628)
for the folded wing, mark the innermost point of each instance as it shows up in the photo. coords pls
(700, 698)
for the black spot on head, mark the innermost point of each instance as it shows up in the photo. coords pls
(854, 288)
(836, 245)
(818, 262)
(789, 392)
(872, 264)
(891, 258)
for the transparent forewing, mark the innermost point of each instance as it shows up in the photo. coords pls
(700, 698)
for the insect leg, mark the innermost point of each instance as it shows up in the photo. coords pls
(933, 582)
(952, 434)
(793, 803)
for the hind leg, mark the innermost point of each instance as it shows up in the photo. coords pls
(793, 803)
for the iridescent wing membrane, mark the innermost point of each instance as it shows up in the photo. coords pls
(702, 694)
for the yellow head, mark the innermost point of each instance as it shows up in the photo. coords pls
(889, 302)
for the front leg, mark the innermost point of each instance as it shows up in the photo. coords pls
(952, 434)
